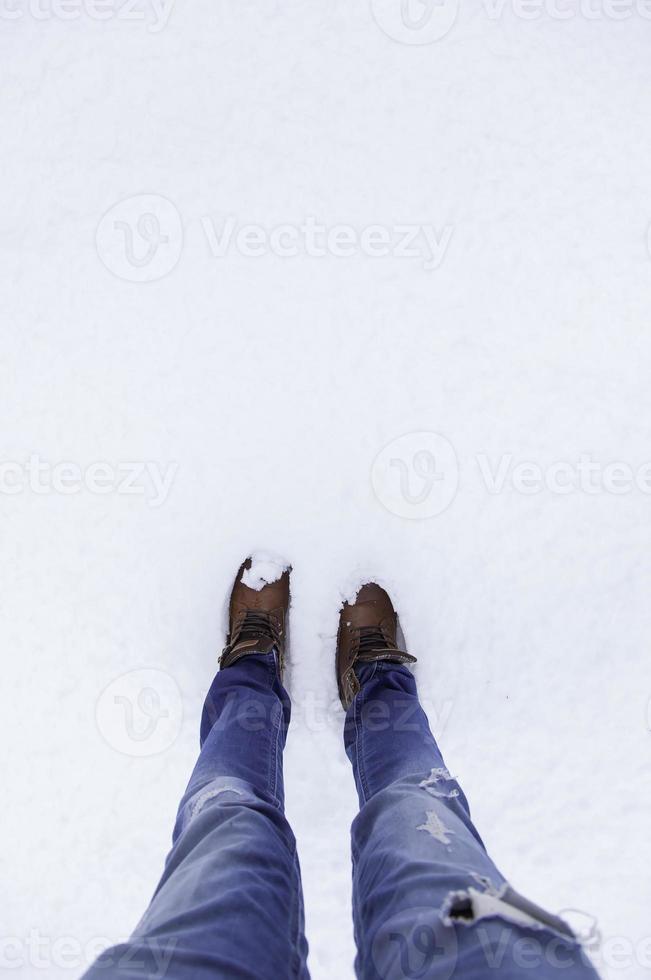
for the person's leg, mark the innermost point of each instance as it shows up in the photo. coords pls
(428, 902)
(229, 904)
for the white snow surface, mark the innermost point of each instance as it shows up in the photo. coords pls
(265, 570)
(261, 392)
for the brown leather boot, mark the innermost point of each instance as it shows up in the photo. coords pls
(258, 619)
(368, 630)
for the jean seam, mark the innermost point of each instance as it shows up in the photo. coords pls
(296, 913)
(278, 751)
(359, 748)
(273, 776)
(359, 730)
(357, 765)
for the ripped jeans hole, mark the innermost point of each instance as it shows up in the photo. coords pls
(435, 784)
(435, 827)
(468, 907)
(461, 908)
(208, 794)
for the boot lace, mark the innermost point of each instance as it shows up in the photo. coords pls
(370, 639)
(255, 624)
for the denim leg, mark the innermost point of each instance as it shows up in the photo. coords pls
(229, 904)
(428, 902)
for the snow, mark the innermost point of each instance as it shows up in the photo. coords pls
(265, 569)
(167, 410)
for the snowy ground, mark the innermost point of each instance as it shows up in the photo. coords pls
(260, 377)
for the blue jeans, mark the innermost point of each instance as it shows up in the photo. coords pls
(427, 900)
